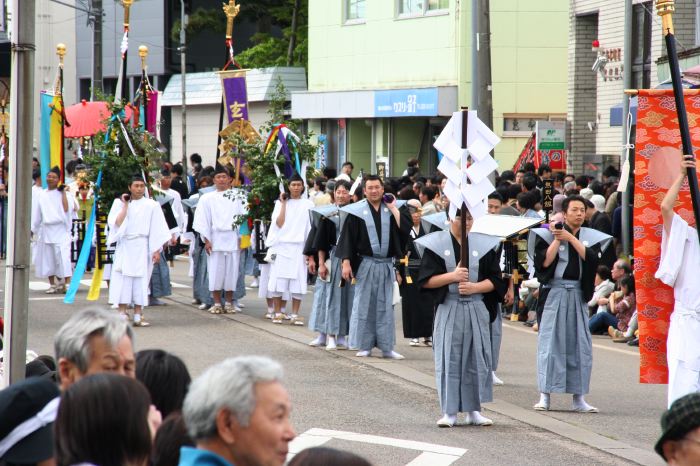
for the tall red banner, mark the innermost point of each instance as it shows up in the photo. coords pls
(657, 164)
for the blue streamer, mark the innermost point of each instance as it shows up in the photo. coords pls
(81, 265)
(85, 249)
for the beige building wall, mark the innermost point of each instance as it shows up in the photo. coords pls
(604, 139)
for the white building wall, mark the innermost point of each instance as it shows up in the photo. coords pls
(202, 128)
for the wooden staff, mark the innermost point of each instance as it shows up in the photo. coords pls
(665, 9)
(464, 254)
(143, 53)
(231, 11)
(61, 52)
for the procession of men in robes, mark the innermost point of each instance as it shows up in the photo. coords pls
(368, 256)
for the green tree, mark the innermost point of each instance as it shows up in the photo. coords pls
(289, 49)
(113, 156)
(260, 161)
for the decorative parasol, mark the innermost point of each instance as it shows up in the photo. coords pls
(88, 118)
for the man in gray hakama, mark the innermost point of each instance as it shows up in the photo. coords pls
(468, 299)
(337, 304)
(373, 233)
(565, 261)
(317, 317)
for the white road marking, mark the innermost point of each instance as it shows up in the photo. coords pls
(38, 286)
(529, 331)
(431, 454)
(48, 298)
(43, 286)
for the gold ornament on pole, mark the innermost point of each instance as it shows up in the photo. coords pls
(143, 53)
(61, 52)
(231, 10)
(665, 9)
(127, 4)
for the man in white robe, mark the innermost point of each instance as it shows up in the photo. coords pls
(52, 217)
(139, 228)
(680, 261)
(160, 278)
(215, 220)
(288, 231)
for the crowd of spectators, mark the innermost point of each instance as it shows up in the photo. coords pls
(100, 403)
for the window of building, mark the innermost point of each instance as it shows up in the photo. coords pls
(355, 10)
(641, 50)
(421, 7)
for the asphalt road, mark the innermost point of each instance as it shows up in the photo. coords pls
(386, 410)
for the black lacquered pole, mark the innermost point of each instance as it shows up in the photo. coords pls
(665, 9)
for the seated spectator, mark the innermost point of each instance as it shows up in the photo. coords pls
(621, 268)
(103, 419)
(624, 308)
(237, 412)
(165, 376)
(20, 404)
(92, 341)
(604, 287)
(620, 310)
(680, 432)
(323, 456)
(170, 438)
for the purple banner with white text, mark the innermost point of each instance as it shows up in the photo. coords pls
(235, 95)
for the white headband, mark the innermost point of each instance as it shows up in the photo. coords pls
(44, 417)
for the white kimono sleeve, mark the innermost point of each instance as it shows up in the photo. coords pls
(672, 251)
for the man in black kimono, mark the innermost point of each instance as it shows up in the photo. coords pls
(372, 235)
(565, 258)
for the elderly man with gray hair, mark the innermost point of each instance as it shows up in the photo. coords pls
(237, 412)
(92, 341)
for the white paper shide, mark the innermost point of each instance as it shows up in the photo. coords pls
(467, 170)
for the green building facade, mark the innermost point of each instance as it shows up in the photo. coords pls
(385, 76)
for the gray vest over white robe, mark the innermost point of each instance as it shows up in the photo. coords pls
(564, 345)
(461, 336)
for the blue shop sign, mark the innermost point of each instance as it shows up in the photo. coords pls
(406, 103)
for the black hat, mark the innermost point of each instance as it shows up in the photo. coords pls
(222, 169)
(165, 172)
(56, 170)
(682, 417)
(296, 177)
(28, 409)
(136, 177)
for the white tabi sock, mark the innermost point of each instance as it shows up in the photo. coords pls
(476, 419)
(137, 317)
(543, 404)
(581, 406)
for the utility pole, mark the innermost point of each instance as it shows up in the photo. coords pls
(293, 36)
(96, 49)
(625, 162)
(481, 61)
(21, 130)
(183, 87)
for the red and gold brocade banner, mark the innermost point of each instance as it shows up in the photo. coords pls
(657, 164)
